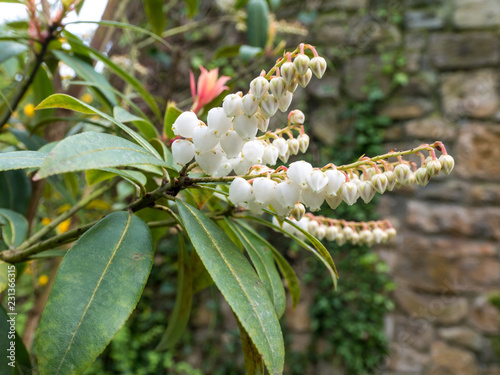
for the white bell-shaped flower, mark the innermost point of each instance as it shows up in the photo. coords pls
(378, 235)
(349, 192)
(301, 63)
(263, 123)
(293, 146)
(288, 72)
(281, 145)
(380, 183)
(312, 227)
(335, 180)
(318, 66)
(447, 163)
(366, 191)
(218, 122)
(278, 87)
(422, 176)
(182, 151)
(287, 194)
(391, 180)
(225, 167)
(298, 172)
(245, 126)
(334, 201)
(253, 151)
(281, 210)
(210, 160)
(259, 87)
(284, 158)
(366, 236)
(317, 181)
(232, 105)
(203, 138)
(321, 233)
(403, 173)
(305, 79)
(264, 190)
(249, 104)
(311, 199)
(231, 143)
(433, 167)
(285, 101)
(331, 232)
(185, 124)
(271, 154)
(268, 105)
(240, 165)
(303, 142)
(240, 191)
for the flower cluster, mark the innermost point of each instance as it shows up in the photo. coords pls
(341, 231)
(228, 141)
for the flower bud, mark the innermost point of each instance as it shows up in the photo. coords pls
(349, 192)
(253, 151)
(203, 138)
(287, 194)
(185, 124)
(317, 181)
(447, 163)
(366, 191)
(278, 87)
(182, 151)
(380, 183)
(259, 87)
(391, 180)
(232, 105)
(391, 233)
(402, 173)
(298, 173)
(305, 79)
(240, 191)
(293, 85)
(218, 122)
(366, 236)
(271, 154)
(303, 142)
(245, 126)
(293, 146)
(297, 117)
(334, 201)
(284, 158)
(288, 72)
(249, 104)
(321, 232)
(268, 106)
(312, 227)
(264, 190)
(281, 145)
(433, 167)
(209, 161)
(311, 199)
(335, 180)
(331, 232)
(422, 176)
(378, 235)
(298, 211)
(285, 101)
(355, 238)
(340, 239)
(263, 123)
(348, 232)
(318, 66)
(231, 143)
(301, 63)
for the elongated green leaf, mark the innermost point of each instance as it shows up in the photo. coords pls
(192, 7)
(154, 12)
(87, 72)
(10, 49)
(14, 227)
(97, 286)
(42, 88)
(21, 160)
(285, 268)
(144, 126)
(242, 289)
(253, 361)
(93, 176)
(182, 310)
(16, 191)
(18, 362)
(68, 102)
(263, 261)
(201, 277)
(3, 275)
(92, 150)
(31, 141)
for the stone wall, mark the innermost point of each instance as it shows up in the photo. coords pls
(447, 257)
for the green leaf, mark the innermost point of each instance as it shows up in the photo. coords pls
(201, 277)
(154, 12)
(11, 49)
(192, 7)
(171, 114)
(42, 88)
(253, 361)
(21, 359)
(263, 261)
(3, 275)
(182, 310)
(240, 286)
(92, 150)
(227, 51)
(14, 227)
(68, 102)
(87, 72)
(21, 160)
(97, 286)
(257, 23)
(249, 52)
(16, 191)
(93, 176)
(144, 126)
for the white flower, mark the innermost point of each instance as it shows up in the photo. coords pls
(366, 236)
(335, 180)
(240, 191)
(253, 151)
(245, 126)
(317, 181)
(231, 143)
(366, 191)
(249, 104)
(232, 105)
(433, 167)
(224, 169)
(303, 142)
(318, 66)
(447, 163)
(301, 63)
(422, 176)
(182, 151)
(348, 232)
(297, 117)
(240, 165)
(218, 122)
(285, 101)
(271, 154)
(305, 79)
(287, 194)
(263, 123)
(264, 190)
(321, 232)
(380, 183)
(259, 87)
(334, 201)
(331, 233)
(403, 173)
(378, 235)
(284, 158)
(349, 192)
(293, 146)
(185, 124)
(278, 87)
(312, 227)
(281, 145)
(298, 172)
(203, 138)
(209, 161)
(391, 180)
(311, 199)
(288, 72)
(268, 105)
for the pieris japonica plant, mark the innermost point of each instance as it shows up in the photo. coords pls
(213, 175)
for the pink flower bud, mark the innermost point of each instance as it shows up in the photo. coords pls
(318, 66)
(301, 63)
(297, 117)
(447, 163)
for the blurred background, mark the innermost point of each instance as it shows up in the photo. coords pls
(400, 73)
